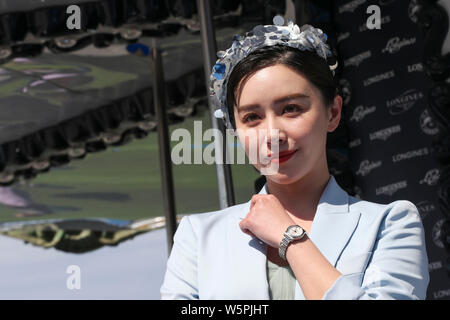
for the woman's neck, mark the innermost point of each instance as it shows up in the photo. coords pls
(301, 198)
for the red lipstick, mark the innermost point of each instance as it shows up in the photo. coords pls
(284, 156)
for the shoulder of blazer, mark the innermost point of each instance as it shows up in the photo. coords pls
(201, 220)
(373, 210)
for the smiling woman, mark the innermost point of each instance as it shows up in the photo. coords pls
(304, 63)
(296, 237)
(289, 111)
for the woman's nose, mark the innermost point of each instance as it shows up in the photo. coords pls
(275, 132)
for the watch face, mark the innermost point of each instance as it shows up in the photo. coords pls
(296, 231)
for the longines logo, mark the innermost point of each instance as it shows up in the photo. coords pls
(360, 112)
(390, 189)
(425, 207)
(384, 134)
(413, 9)
(434, 265)
(416, 67)
(427, 124)
(441, 294)
(343, 36)
(410, 154)
(354, 143)
(395, 44)
(346, 91)
(366, 166)
(379, 77)
(436, 233)
(356, 60)
(383, 20)
(351, 6)
(404, 102)
(431, 177)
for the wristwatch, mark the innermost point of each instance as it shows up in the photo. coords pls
(292, 233)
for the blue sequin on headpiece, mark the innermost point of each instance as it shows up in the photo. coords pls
(305, 38)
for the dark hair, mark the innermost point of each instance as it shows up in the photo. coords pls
(307, 63)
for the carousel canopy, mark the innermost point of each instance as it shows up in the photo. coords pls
(55, 108)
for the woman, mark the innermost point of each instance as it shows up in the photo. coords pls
(302, 236)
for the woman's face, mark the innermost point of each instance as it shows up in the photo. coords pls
(278, 99)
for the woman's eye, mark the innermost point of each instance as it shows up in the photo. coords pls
(249, 117)
(292, 107)
(289, 108)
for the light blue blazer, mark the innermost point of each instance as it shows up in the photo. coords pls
(379, 249)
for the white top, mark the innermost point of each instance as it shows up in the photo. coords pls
(281, 281)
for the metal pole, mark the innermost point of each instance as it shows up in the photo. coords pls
(224, 177)
(164, 143)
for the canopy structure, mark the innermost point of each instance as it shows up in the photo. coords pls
(66, 92)
(27, 27)
(67, 105)
(79, 235)
(58, 108)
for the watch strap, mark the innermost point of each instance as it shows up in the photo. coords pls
(288, 239)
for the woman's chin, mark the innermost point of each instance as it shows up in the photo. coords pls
(281, 181)
(282, 176)
(277, 169)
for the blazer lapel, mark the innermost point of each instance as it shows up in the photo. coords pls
(331, 229)
(333, 224)
(248, 265)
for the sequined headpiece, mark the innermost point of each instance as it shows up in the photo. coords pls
(305, 38)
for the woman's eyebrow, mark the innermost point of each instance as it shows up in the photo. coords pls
(247, 107)
(277, 101)
(291, 97)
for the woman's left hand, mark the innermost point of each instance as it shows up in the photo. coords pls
(267, 219)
